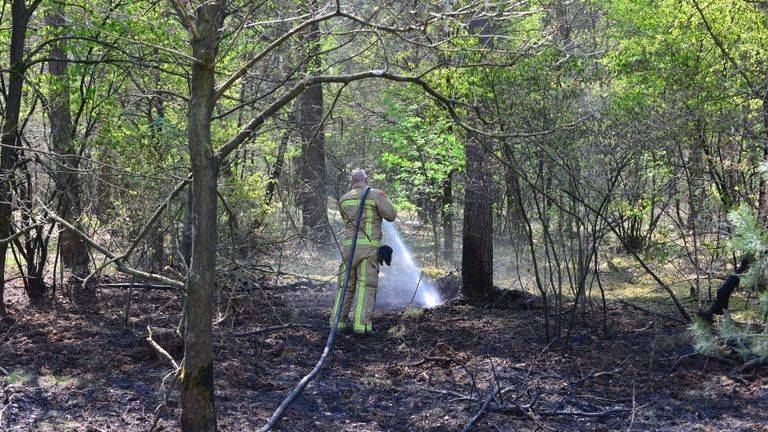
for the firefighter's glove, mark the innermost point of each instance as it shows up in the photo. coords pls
(385, 255)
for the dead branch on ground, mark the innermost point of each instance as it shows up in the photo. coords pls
(267, 329)
(161, 350)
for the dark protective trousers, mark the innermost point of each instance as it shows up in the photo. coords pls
(363, 280)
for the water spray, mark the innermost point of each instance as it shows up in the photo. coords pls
(405, 283)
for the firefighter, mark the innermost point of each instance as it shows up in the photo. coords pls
(364, 275)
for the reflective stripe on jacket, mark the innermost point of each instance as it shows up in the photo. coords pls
(377, 207)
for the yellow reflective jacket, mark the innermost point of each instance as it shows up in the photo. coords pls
(377, 207)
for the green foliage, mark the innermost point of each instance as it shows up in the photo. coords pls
(423, 151)
(21, 377)
(704, 341)
(665, 43)
(749, 238)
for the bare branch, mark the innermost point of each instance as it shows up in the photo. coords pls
(161, 350)
(118, 260)
(279, 41)
(158, 212)
(183, 13)
(21, 232)
(447, 103)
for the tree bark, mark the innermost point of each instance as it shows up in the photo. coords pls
(186, 230)
(313, 195)
(447, 217)
(197, 393)
(9, 155)
(477, 249)
(277, 169)
(74, 251)
(156, 118)
(762, 211)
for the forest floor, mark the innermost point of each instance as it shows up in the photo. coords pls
(88, 368)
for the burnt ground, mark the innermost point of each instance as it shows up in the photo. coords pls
(87, 368)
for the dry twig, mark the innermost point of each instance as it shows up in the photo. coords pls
(161, 350)
(267, 329)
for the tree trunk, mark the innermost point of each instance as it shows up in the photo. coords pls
(447, 217)
(197, 394)
(762, 211)
(313, 173)
(74, 252)
(276, 171)
(9, 154)
(187, 229)
(477, 249)
(157, 120)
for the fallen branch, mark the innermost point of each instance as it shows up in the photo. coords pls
(514, 408)
(458, 397)
(3, 371)
(174, 272)
(597, 375)
(677, 360)
(138, 285)
(161, 350)
(308, 282)
(517, 409)
(300, 284)
(598, 414)
(267, 329)
(117, 260)
(427, 359)
(647, 327)
(759, 361)
(480, 413)
(658, 314)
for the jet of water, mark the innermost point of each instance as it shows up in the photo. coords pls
(404, 283)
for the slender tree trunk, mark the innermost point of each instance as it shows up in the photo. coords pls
(157, 121)
(74, 252)
(277, 169)
(313, 194)
(694, 171)
(762, 213)
(515, 226)
(434, 223)
(197, 393)
(447, 217)
(9, 154)
(477, 249)
(187, 228)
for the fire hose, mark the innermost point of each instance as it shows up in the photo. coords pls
(337, 316)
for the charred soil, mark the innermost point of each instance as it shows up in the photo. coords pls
(88, 368)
